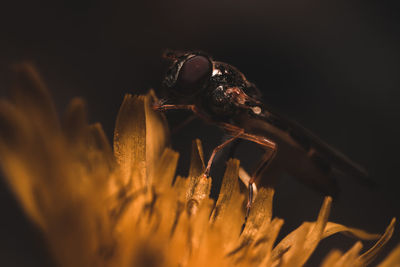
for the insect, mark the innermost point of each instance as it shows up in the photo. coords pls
(220, 94)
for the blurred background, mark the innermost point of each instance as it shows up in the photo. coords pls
(332, 66)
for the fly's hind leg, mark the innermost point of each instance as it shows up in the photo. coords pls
(261, 166)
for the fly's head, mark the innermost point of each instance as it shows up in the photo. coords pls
(188, 76)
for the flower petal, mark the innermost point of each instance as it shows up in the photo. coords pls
(370, 255)
(199, 186)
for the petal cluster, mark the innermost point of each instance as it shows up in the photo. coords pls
(122, 205)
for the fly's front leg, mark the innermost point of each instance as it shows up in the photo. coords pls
(161, 107)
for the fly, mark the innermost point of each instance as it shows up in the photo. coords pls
(220, 94)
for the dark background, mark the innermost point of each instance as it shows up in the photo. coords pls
(333, 66)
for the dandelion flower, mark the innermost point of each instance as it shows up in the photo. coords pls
(99, 204)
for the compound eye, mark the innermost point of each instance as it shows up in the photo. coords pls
(193, 74)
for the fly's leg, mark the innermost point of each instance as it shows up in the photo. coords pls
(218, 148)
(236, 133)
(262, 165)
(161, 107)
(231, 150)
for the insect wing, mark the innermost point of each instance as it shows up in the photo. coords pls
(316, 147)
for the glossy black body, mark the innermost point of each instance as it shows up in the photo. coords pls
(227, 97)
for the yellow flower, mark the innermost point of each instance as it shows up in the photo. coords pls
(123, 206)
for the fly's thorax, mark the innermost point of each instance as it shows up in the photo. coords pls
(219, 99)
(219, 103)
(225, 100)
